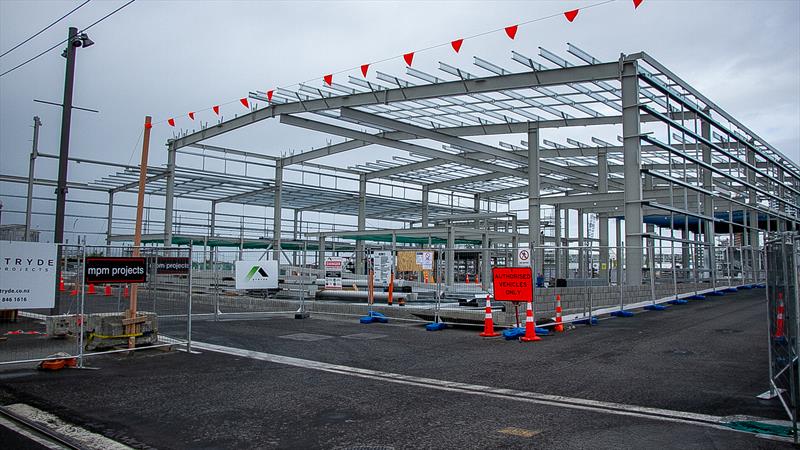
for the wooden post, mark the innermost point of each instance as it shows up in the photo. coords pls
(133, 327)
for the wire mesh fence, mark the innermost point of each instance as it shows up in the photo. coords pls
(89, 318)
(783, 261)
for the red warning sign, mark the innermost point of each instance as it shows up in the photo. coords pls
(513, 284)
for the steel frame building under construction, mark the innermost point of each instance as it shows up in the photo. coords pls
(684, 173)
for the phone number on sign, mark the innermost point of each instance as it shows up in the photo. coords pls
(13, 299)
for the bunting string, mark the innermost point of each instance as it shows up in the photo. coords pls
(510, 31)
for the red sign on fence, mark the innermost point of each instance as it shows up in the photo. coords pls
(513, 284)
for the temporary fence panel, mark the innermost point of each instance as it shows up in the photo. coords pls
(783, 264)
(88, 318)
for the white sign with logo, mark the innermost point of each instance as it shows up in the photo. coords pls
(257, 274)
(382, 264)
(333, 272)
(524, 257)
(27, 275)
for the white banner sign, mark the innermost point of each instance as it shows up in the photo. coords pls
(256, 274)
(524, 257)
(27, 275)
(382, 262)
(333, 272)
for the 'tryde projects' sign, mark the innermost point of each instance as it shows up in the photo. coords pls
(513, 284)
(27, 275)
(116, 270)
(171, 265)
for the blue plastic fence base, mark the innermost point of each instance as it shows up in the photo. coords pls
(513, 333)
(746, 286)
(542, 331)
(655, 307)
(731, 289)
(586, 321)
(715, 294)
(374, 317)
(436, 326)
(760, 286)
(697, 297)
(622, 313)
(678, 302)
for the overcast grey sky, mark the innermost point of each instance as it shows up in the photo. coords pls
(165, 58)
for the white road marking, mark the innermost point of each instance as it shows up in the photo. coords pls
(488, 391)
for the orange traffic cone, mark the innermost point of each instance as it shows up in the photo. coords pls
(91, 289)
(467, 278)
(488, 323)
(107, 291)
(125, 292)
(530, 326)
(61, 287)
(74, 292)
(559, 325)
(477, 279)
(779, 322)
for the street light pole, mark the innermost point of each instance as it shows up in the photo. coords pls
(63, 157)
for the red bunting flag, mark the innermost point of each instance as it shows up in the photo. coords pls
(171, 122)
(191, 115)
(244, 102)
(511, 31)
(409, 57)
(269, 95)
(571, 15)
(328, 79)
(364, 69)
(148, 125)
(457, 44)
(636, 3)
(216, 109)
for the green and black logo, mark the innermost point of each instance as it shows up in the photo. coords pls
(257, 270)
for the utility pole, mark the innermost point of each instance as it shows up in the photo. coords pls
(34, 154)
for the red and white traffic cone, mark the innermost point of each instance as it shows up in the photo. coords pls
(477, 279)
(61, 287)
(488, 323)
(530, 326)
(467, 278)
(779, 322)
(559, 325)
(107, 291)
(91, 289)
(125, 291)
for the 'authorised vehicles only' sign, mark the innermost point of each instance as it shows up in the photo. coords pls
(513, 284)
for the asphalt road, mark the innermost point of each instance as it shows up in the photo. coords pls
(707, 357)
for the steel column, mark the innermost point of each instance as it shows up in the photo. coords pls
(602, 218)
(633, 178)
(169, 199)
(277, 221)
(362, 223)
(534, 206)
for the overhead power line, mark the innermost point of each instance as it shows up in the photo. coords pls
(65, 40)
(43, 29)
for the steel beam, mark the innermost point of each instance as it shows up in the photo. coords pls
(277, 211)
(578, 74)
(400, 145)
